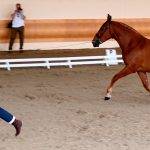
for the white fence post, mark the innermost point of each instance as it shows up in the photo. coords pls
(47, 64)
(69, 62)
(8, 66)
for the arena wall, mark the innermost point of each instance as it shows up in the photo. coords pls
(50, 23)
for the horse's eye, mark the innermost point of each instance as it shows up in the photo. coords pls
(105, 28)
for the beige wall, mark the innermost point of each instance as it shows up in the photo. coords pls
(37, 10)
(78, 9)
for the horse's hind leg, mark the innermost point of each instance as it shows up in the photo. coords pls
(144, 79)
(124, 72)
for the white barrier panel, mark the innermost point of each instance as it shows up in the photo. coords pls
(112, 59)
(62, 61)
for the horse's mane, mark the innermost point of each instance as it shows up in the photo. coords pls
(127, 27)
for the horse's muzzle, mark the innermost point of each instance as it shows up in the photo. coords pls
(96, 43)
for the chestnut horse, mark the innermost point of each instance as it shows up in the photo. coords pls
(135, 50)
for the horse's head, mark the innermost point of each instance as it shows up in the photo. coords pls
(103, 34)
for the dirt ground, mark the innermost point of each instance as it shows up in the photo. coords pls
(63, 109)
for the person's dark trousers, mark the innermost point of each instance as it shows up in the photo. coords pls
(13, 35)
(6, 116)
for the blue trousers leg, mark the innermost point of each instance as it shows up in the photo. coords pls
(6, 116)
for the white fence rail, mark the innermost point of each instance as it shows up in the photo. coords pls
(62, 61)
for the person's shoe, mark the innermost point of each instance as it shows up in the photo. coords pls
(9, 50)
(17, 124)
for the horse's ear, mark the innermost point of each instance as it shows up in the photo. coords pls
(109, 18)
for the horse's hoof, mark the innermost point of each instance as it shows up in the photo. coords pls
(107, 98)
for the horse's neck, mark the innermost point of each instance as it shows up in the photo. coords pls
(127, 38)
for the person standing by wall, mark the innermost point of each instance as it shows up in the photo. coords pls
(9, 118)
(18, 23)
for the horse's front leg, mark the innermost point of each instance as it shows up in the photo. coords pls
(144, 80)
(124, 72)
